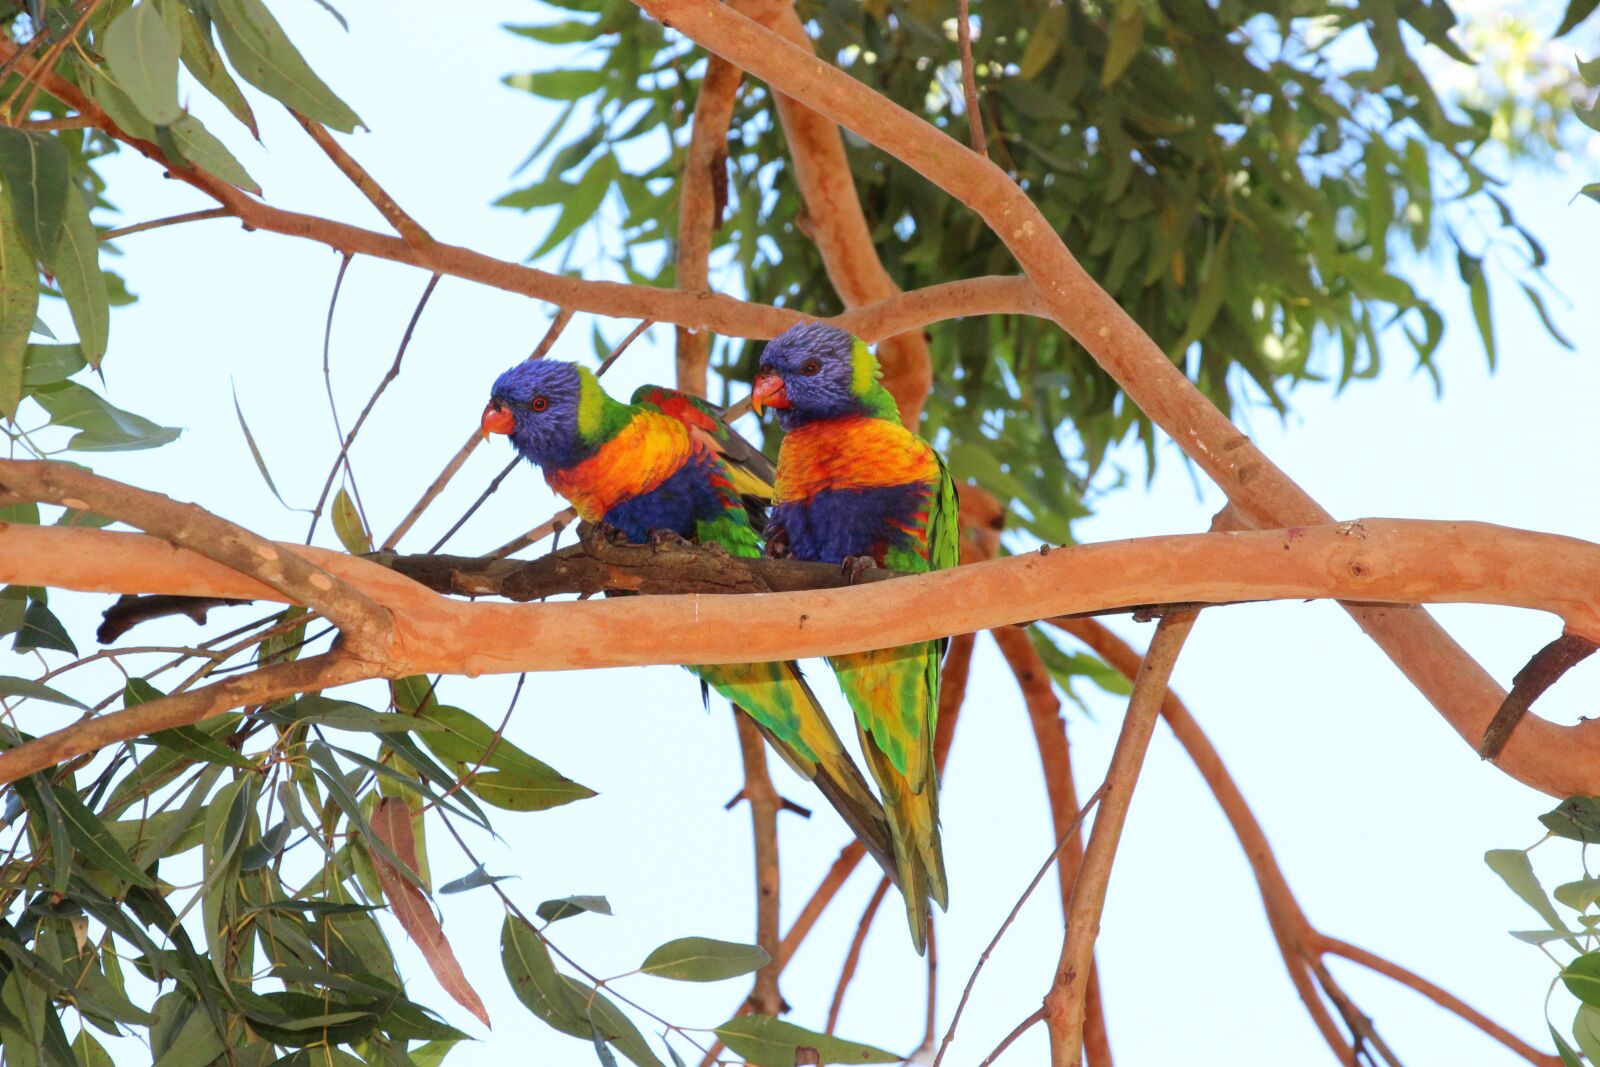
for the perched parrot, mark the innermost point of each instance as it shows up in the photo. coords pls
(668, 463)
(855, 485)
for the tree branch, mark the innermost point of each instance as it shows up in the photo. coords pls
(1388, 561)
(260, 686)
(702, 195)
(1538, 674)
(762, 796)
(1443, 998)
(1055, 758)
(1064, 1009)
(407, 227)
(365, 625)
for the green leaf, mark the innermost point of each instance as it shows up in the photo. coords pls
(1544, 316)
(566, 907)
(348, 526)
(572, 32)
(41, 629)
(19, 303)
(1513, 866)
(343, 715)
(203, 61)
(1471, 271)
(582, 204)
(1576, 818)
(144, 59)
(1582, 978)
(33, 167)
(255, 450)
(332, 775)
(105, 428)
(200, 146)
(1569, 1058)
(48, 364)
(703, 959)
(535, 981)
(1577, 11)
(23, 687)
(95, 842)
(768, 1042)
(1126, 37)
(264, 56)
(510, 778)
(76, 262)
(1578, 895)
(1044, 42)
(1586, 1029)
(558, 84)
(478, 878)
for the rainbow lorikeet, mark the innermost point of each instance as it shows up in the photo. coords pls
(854, 485)
(668, 464)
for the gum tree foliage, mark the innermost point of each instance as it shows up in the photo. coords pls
(1252, 181)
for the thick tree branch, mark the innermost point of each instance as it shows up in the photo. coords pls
(365, 625)
(1388, 561)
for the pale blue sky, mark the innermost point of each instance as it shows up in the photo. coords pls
(1379, 814)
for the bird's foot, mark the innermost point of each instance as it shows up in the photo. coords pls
(668, 538)
(854, 567)
(607, 534)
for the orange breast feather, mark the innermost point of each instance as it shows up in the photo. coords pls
(856, 452)
(647, 452)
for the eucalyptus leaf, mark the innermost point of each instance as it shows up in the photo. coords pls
(703, 959)
(144, 58)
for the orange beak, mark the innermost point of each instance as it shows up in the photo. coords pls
(767, 391)
(497, 419)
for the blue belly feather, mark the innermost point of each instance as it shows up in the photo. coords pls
(837, 523)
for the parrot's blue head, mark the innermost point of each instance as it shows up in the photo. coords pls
(814, 371)
(541, 404)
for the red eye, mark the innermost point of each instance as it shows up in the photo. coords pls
(811, 366)
(538, 403)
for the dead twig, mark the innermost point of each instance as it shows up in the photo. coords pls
(170, 220)
(435, 487)
(969, 79)
(1540, 673)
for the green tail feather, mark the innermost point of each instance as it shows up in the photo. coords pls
(786, 711)
(914, 827)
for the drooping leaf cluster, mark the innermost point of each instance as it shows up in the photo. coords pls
(1253, 181)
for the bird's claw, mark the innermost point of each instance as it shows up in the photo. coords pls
(854, 567)
(667, 538)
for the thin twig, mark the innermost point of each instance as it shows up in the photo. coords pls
(972, 980)
(407, 227)
(853, 956)
(476, 504)
(762, 796)
(170, 220)
(1443, 998)
(1023, 1027)
(553, 525)
(969, 78)
(557, 324)
(434, 489)
(372, 401)
(30, 85)
(71, 122)
(623, 346)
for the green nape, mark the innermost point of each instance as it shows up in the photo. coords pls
(864, 383)
(600, 418)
